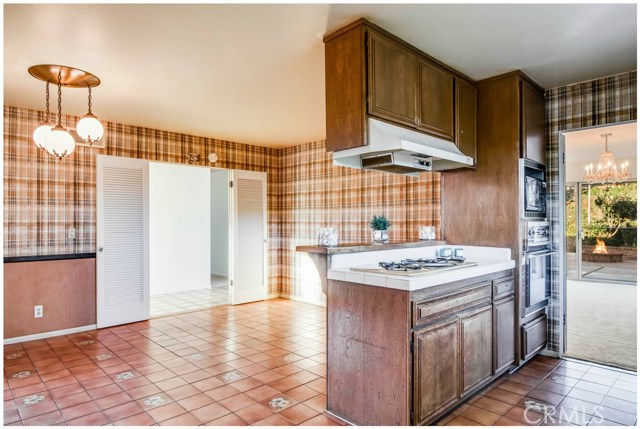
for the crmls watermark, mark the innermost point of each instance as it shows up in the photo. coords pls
(536, 412)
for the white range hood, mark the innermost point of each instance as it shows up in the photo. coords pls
(402, 151)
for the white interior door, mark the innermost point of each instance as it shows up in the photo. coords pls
(248, 244)
(122, 240)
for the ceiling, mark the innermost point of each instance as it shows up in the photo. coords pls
(255, 73)
(585, 145)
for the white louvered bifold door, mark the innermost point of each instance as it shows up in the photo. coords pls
(249, 232)
(122, 240)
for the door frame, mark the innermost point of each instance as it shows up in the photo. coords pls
(562, 223)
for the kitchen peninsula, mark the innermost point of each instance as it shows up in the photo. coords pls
(437, 336)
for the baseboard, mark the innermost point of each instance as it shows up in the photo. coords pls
(307, 301)
(49, 334)
(550, 353)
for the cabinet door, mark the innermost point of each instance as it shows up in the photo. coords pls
(436, 374)
(436, 101)
(532, 138)
(466, 118)
(477, 348)
(503, 334)
(393, 80)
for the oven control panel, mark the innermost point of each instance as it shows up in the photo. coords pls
(538, 233)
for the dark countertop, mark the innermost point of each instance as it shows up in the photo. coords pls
(367, 247)
(9, 259)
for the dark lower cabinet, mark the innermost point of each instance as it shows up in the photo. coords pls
(398, 358)
(503, 334)
(436, 369)
(477, 345)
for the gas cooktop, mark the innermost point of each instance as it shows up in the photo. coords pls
(414, 267)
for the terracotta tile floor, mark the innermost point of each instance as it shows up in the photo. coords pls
(259, 364)
(254, 364)
(553, 392)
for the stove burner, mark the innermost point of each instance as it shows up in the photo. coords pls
(419, 264)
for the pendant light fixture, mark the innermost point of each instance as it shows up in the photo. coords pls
(89, 127)
(40, 134)
(57, 140)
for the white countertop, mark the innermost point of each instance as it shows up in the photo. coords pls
(490, 260)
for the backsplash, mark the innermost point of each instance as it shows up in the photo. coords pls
(44, 197)
(598, 102)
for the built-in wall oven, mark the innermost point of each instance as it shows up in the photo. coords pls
(535, 286)
(536, 266)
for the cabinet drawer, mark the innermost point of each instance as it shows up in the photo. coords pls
(503, 287)
(443, 306)
(534, 336)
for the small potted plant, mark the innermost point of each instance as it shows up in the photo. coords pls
(380, 226)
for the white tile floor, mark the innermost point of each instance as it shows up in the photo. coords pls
(180, 302)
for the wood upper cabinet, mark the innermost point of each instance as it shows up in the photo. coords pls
(435, 101)
(466, 108)
(477, 347)
(436, 369)
(503, 334)
(371, 73)
(532, 123)
(393, 80)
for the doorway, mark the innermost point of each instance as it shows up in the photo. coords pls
(600, 226)
(194, 234)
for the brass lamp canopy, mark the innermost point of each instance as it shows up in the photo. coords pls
(71, 76)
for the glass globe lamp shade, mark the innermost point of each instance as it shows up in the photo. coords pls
(90, 129)
(41, 133)
(59, 142)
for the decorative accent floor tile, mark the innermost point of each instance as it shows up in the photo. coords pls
(102, 357)
(279, 403)
(21, 374)
(32, 399)
(125, 375)
(154, 401)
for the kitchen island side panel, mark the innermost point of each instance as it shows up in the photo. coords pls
(367, 335)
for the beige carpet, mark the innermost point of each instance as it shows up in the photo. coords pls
(602, 323)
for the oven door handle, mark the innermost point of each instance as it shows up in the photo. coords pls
(540, 253)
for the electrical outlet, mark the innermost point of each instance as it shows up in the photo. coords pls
(38, 311)
(72, 233)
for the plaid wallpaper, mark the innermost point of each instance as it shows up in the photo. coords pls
(44, 197)
(316, 194)
(598, 102)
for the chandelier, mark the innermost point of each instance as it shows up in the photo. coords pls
(606, 171)
(55, 139)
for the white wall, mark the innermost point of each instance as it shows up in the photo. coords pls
(179, 227)
(220, 222)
